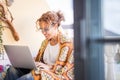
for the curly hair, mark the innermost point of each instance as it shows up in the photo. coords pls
(52, 17)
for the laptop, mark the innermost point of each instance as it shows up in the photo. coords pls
(20, 56)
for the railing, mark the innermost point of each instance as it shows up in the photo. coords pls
(112, 58)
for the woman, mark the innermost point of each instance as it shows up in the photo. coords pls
(55, 57)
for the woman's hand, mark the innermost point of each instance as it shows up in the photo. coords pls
(42, 66)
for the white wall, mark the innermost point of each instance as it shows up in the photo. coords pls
(66, 6)
(25, 14)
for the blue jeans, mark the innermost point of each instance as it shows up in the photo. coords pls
(26, 77)
(15, 73)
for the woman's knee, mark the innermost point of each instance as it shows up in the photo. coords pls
(26, 77)
(12, 70)
(11, 74)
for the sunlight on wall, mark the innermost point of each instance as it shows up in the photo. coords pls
(25, 14)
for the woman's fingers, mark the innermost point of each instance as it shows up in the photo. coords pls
(42, 66)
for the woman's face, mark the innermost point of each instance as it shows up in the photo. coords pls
(48, 30)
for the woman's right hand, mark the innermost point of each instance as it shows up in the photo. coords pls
(42, 65)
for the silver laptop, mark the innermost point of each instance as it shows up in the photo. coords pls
(20, 56)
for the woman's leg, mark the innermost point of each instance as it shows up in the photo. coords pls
(26, 77)
(15, 73)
